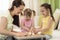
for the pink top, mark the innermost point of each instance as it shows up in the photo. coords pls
(27, 24)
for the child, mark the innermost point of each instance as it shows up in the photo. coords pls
(27, 22)
(47, 21)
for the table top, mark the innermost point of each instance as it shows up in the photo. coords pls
(30, 37)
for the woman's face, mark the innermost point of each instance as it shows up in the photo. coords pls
(44, 11)
(19, 9)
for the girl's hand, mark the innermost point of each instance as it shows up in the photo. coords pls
(27, 29)
(36, 30)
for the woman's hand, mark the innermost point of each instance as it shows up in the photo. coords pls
(21, 34)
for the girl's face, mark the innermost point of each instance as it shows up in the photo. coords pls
(28, 18)
(44, 11)
(18, 9)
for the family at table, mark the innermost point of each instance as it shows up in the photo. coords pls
(26, 24)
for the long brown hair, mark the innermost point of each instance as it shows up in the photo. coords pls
(48, 6)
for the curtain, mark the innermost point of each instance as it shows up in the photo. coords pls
(33, 4)
(54, 3)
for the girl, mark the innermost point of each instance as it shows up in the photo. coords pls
(47, 21)
(27, 23)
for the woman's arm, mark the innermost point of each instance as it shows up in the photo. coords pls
(3, 25)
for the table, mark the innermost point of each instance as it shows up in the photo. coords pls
(35, 37)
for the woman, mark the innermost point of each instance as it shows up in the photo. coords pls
(6, 20)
